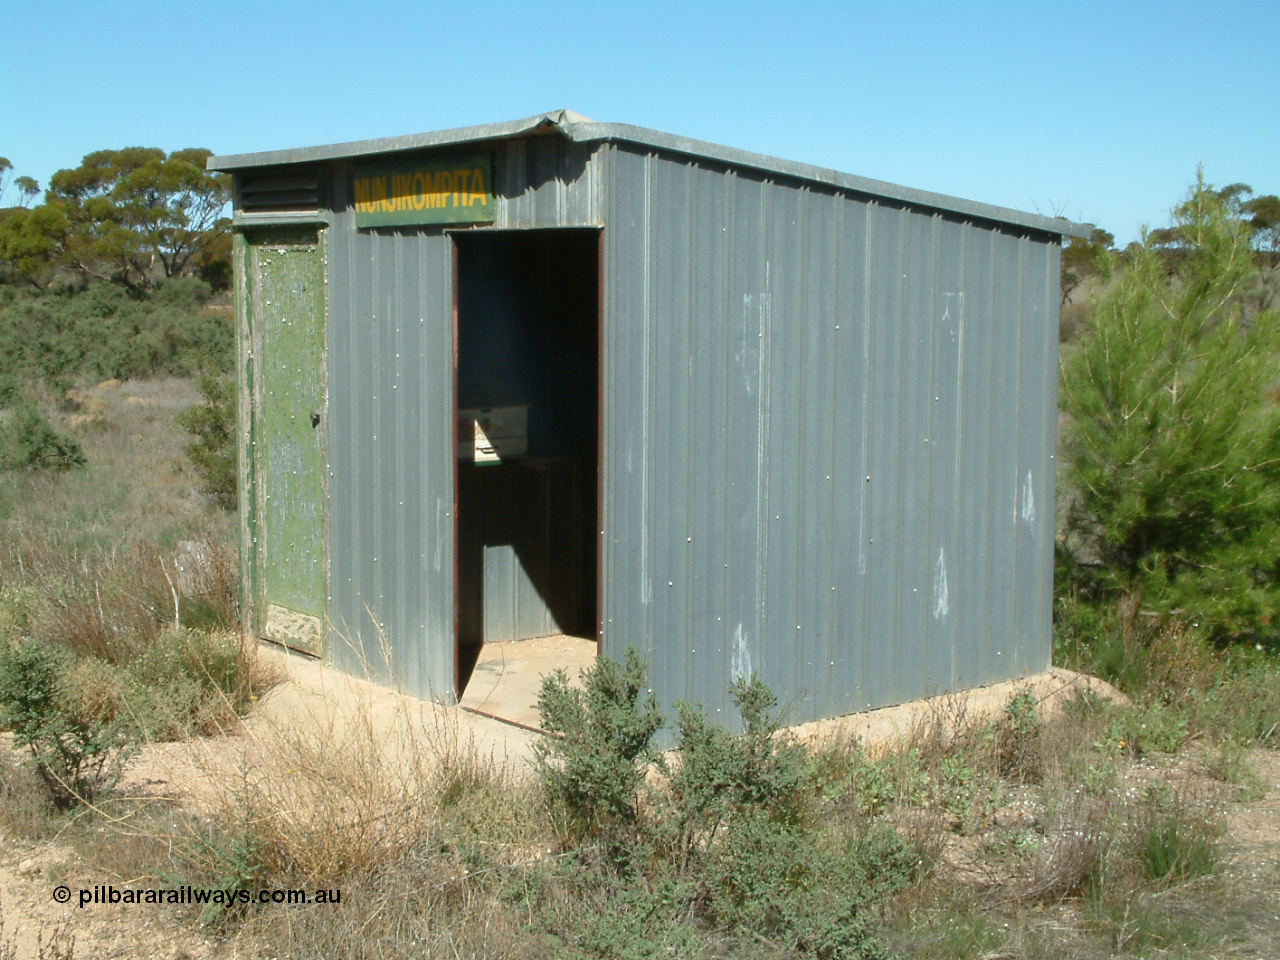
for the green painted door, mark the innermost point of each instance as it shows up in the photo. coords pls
(288, 305)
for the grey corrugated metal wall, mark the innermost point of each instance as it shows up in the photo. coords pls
(828, 441)
(769, 346)
(390, 376)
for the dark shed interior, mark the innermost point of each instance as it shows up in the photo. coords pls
(527, 352)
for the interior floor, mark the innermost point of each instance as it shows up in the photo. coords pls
(507, 676)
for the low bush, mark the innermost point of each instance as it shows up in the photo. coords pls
(59, 711)
(1018, 736)
(594, 765)
(28, 441)
(212, 423)
(723, 843)
(105, 331)
(722, 776)
(190, 682)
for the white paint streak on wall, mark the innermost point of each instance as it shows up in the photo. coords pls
(940, 599)
(741, 655)
(1028, 500)
(866, 395)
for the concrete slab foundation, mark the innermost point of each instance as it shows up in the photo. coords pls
(507, 677)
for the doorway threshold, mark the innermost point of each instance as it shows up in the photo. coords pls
(508, 676)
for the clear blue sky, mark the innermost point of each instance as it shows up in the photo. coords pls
(1099, 111)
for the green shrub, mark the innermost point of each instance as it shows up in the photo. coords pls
(593, 768)
(1152, 727)
(640, 921)
(106, 331)
(723, 777)
(766, 865)
(29, 442)
(821, 895)
(212, 423)
(229, 860)
(62, 714)
(724, 854)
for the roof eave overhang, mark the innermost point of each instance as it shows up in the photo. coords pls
(580, 129)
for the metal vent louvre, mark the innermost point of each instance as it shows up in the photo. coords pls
(284, 190)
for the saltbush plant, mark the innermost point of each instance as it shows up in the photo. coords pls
(105, 331)
(722, 775)
(763, 862)
(593, 766)
(719, 842)
(76, 739)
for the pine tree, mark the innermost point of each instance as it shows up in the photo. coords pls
(1172, 450)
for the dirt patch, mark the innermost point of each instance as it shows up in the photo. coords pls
(29, 875)
(196, 774)
(1050, 689)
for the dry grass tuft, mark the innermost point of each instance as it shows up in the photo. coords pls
(1074, 852)
(1180, 666)
(25, 810)
(401, 813)
(945, 726)
(112, 605)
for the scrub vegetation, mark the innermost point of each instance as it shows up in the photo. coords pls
(118, 613)
(1122, 819)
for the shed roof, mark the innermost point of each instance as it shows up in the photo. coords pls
(581, 129)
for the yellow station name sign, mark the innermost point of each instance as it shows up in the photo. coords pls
(431, 190)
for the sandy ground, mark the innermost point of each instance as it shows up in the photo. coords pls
(314, 695)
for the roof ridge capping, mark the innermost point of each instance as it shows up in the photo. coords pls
(414, 141)
(582, 129)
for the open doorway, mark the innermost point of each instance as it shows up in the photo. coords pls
(527, 373)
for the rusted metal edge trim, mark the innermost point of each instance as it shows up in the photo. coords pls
(513, 723)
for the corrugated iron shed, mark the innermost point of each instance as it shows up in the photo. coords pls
(824, 414)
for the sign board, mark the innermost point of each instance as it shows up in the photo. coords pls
(429, 190)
